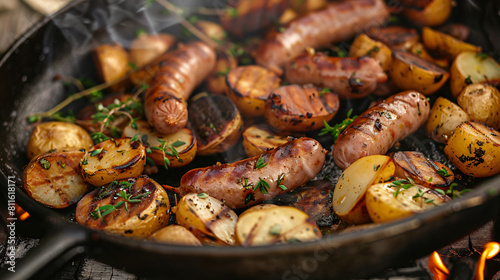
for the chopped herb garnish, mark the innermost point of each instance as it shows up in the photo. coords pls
(338, 128)
(250, 197)
(140, 31)
(33, 119)
(275, 230)
(261, 162)
(481, 56)
(374, 49)
(202, 195)
(232, 12)
(440, 191)
(133, 66)
(223, 73)
(279, 182)
(376, 167)
(85, 162)
(443, 172)
(45, 164)
(468, 80)
(262, 185)
(96, 152)
(430, 180)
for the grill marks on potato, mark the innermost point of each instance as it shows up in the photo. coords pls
(396, 37)
(258, 139)
(423, 170)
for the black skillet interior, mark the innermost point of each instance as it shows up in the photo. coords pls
(61, 46)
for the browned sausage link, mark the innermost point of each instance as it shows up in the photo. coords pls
(337, 22)
(237, 184)
(375, 131)
(349, 77)
(179, 74)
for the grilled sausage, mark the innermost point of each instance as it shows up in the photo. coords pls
(348, 76)
(179, 74)
(375, 131)
(337, 22)
(240, 184)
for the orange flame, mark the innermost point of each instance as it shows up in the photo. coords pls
(491, 249)
(23, 215)
(437, 267)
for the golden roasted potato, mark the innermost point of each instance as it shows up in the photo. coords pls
(207, 218)
(443, 119)
(296, 108)
(472, 68)
(433, 13)
(419, 50)
(134, 207)
(288, 15)
(257, 207)
(412, 72)
(216, 82)
(59, 136)
(365, 46)
(456, 30)
(482, 103)
(113, 159)
(180, 147)
(249, 87)
(349, 194)
(211, 29)
(275, 225)
(395, 37)
(216, 122)
(445, 44)
(112, 63)
(54, 179)
(259, 138)
(475, 149)
(398, 199)
(175, 234)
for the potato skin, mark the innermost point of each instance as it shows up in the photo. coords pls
(444, 118)
(54, 179)
(175, 234)
(57, 136)
(482, 103)
(435, 13)
(445, 44)
(112, 63)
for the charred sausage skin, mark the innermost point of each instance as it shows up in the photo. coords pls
(180, 72)
(293, 164)
(376, 130)
(348, 76)
(337, 22)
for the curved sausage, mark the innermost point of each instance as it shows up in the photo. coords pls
(339, 21)
(348, 76)
(375, 131)
(180, 72)
(237, 184)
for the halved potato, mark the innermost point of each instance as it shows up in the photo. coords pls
(482, 103)
(130, 207)
(412, 72)
(365, 46)
(183, 142)
(259, 138)
(112, 63)
(419, 50)
(211, 29)
(472, 68)
(216, 82)
(422, 170)
(433, 13)
(175, 234)
(216, 121)
(59, 136)
(445, 44)
(475, 149)
(54, 179)
(257, 207)
(349, 194)
(444, 118)
(395, 37)
(113, 159)
(249, 87)
(288, 15)
(385, 202)
(208, 218)
(275, 225)
(298, 108)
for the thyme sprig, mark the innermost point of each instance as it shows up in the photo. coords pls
(168, 150)
(338, 128)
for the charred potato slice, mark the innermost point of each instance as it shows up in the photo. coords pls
(216, 121)
(54, 179)
(395, 37)
(113, 159)
(411, 72)
(385, 202)
(275, 225)
(422, 170)
(175, 234)
(134, 207)
(183, 143)
(475, 149)
(349, 195)
(60, 136)
(433, 13)
(419, 50)
(249, 16)
(471, 68)
(249, 88)
(259, 138)
(207, 218)
(444, 118)
(482, 103)
(297, 108)
(445, 44)
(456, 30)
(216, 82)
(112, 63)
(365, 46)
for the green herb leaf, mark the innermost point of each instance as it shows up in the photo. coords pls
(33, 119)
(96, 152)
(338, 128)
(85, 162)
(202, 195)
(232, 12)
(250, 197)
(45, 163)
(275, 230)
(443, 172)
(261, 162)
(262, 185)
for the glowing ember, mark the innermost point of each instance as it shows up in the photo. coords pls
(437, 267)
(21, 214)
(491, 249)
